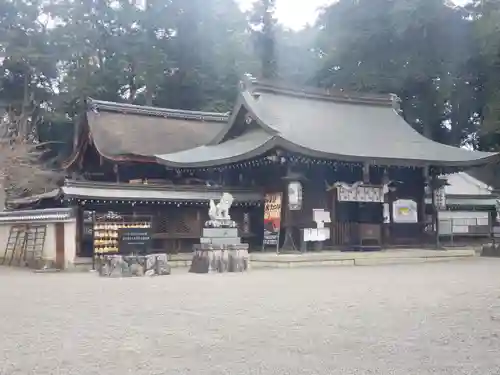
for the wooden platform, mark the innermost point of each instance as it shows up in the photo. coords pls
(355, 258)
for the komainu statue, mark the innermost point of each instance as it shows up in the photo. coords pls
(219, 213)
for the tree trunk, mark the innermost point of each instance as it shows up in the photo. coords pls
(132, 84)
(150, 89)
(3, 196)
(431, 116)
(23, 122)
(149, 96)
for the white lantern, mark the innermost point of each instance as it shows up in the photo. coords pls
(294, 195)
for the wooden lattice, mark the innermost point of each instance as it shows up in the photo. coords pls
(181, 225)
(179, 222)
(161, 223)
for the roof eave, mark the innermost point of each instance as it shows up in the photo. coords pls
(280, 142)
(262, 149)
(121, 158)
(89, 190)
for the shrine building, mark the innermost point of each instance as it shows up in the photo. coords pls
(344, 171)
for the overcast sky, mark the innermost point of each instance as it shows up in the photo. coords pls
(298, 13)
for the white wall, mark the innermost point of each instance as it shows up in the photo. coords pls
(4, 235)
(69, 244)
(49, 248)
(458, 222)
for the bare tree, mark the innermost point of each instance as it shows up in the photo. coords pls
(23, 171)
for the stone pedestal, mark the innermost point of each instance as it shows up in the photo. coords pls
(491, 250)
(133, 265)
(220, 250)
(220, 258)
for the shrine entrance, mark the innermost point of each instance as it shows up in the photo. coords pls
(357, 217)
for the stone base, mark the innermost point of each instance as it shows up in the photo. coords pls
(209, 258)
(133, 265)
(491, 250)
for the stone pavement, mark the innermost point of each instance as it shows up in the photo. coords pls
(433, 318)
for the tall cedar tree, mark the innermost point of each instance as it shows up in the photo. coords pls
(263, 24)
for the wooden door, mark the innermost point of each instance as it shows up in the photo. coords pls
(59, 229)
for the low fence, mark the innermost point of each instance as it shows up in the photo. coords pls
(459, 231)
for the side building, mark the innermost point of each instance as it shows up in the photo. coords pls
(467, 209)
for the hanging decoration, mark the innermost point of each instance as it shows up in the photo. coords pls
(86, 202)
(284, 158)
(294, 195)
(246, 223)
(358, 192)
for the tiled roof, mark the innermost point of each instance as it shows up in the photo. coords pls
(119, 129)
(329, 125)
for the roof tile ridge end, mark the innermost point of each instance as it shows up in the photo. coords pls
(128, 108)
(257, 87)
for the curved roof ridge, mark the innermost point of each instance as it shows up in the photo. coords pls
(126, 108)
(256, 86)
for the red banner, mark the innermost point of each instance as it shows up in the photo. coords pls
(272, 219)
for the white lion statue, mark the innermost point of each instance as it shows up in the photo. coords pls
(220, 211)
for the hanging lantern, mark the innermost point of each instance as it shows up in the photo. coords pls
(294, 195)
(246, 222)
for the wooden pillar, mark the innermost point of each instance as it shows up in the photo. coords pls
(332, 196)
(366, 173)
(388, 201)
(288, 243)
(427, 188)
(290, 219)
(117, 172)
(435, 218)
(430, 181)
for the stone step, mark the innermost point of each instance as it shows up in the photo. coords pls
(220, 232)
(209, 246)
(221, 240)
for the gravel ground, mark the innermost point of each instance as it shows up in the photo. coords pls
(436, 318)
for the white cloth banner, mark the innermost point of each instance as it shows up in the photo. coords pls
(359, 193)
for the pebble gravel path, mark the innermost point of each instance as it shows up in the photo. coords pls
(436, 318)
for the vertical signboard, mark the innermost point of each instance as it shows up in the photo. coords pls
(272, 219)
(87, 243)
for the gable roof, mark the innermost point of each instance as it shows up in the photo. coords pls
(324, 125)
(488, 174)
(120, 131)
(464, 184)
